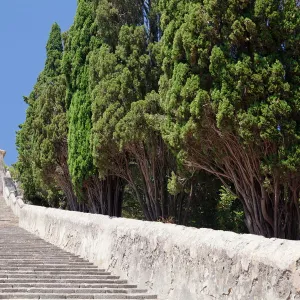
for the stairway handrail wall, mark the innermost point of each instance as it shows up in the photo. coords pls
(176, 262)
(10, 194)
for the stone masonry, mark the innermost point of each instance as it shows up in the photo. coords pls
(2, 154)
(31, 268)
(174, 262)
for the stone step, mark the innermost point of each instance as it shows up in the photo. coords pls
(37, 254)
(29, 272)
(16, 239)
(53, 269)
(31, 268)
(65, 285)
(33, 251)
(63, 280)
(73, 296)
(47, 263)
(24, 248)
(40, 257)
(50, 276)
(69, 290)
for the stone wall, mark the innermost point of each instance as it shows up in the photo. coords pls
(2, 155)
(9, 192)
(175, 262)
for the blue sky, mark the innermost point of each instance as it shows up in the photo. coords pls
(24, 30)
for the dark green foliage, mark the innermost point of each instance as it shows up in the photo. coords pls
(140, 100)
(125, 140)
(96, 195)
(41, 140)
(231, 92)
(54, 52)
(77, 47)
(230, 215)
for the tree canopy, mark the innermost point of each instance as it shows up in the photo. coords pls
(183, 111)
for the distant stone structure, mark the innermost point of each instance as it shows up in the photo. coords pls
(40, 270)
(2, 155)
(175, 262)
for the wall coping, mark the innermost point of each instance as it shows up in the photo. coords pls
(176, 262)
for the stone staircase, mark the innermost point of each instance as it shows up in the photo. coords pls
(31, 268)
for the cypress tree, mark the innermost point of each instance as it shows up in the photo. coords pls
(99, 195)
(230, 91)
(46, 125)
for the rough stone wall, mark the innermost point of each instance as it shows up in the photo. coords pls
(2, 154)
(176, 262)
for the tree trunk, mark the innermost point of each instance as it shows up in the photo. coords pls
(270, 201)
(104, 196)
